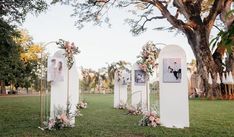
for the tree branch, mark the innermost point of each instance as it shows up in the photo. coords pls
(179, 24)
(181, 7)
(128, 4)
(215, 10)
(150, 19)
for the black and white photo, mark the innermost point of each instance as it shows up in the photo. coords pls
(139, 77)
(172, 70)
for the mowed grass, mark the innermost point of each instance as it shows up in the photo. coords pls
(19, 117)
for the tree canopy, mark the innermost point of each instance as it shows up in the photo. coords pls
(16, 10)
(194, 18)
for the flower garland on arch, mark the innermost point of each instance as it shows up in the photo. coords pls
(147, 59)
(70, 51)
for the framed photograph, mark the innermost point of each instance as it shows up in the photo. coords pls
(126, 78)
(139, 77)
(172, 70)
(55, 69)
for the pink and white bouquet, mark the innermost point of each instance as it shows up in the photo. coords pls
(70, 51)
(150, 119)
(147, 59)
(59, 122)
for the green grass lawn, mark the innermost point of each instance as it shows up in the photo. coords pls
(19, 116)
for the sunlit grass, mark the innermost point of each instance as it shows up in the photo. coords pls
(19, 116)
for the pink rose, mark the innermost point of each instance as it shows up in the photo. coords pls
(64, 118)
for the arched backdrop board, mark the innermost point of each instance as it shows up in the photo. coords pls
(120, 88)
(174, 107)
(139, 86)
(59, 86)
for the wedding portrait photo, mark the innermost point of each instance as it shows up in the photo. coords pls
(55, 70)
(139, 77)
(172, 70)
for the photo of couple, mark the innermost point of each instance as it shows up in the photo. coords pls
(172, 70)
(139, 77)
(55, 70)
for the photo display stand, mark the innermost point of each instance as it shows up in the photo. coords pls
(173, 84)
(140, 88)
(64, 85)
(120, 87)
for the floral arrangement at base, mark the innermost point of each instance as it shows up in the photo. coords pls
(134, 110)
(82, 105)
(60, 122)
(150, 119)
(61, 119)
(122, 105)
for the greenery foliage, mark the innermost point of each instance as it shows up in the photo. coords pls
(16, 10)
(224, 39)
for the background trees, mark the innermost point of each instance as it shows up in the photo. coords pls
(103, 79)
(12, 13)
(19, 61)
(194, 18)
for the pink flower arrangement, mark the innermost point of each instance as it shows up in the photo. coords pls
(59, 122)
(70, 51)
(150, 119)
(147, 59)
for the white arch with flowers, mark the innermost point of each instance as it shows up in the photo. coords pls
(121, 80)
(63, 77)
(59, 86)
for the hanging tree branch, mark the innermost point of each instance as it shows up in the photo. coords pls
(215, 10)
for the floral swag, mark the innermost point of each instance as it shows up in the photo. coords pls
(70, 51)
(147, 59)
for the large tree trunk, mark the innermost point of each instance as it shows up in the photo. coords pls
(199, 42)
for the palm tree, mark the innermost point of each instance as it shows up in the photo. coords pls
(112, 68)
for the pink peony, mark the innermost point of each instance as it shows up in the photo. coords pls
(151, 118)
(64, 118)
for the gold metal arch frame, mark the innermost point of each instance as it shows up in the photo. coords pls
(44, 91)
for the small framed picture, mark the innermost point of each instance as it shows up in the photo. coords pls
(139, 77)
(126, 78)
(55, 69)
(172, 70)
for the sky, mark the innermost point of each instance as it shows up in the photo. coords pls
(98, 45)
